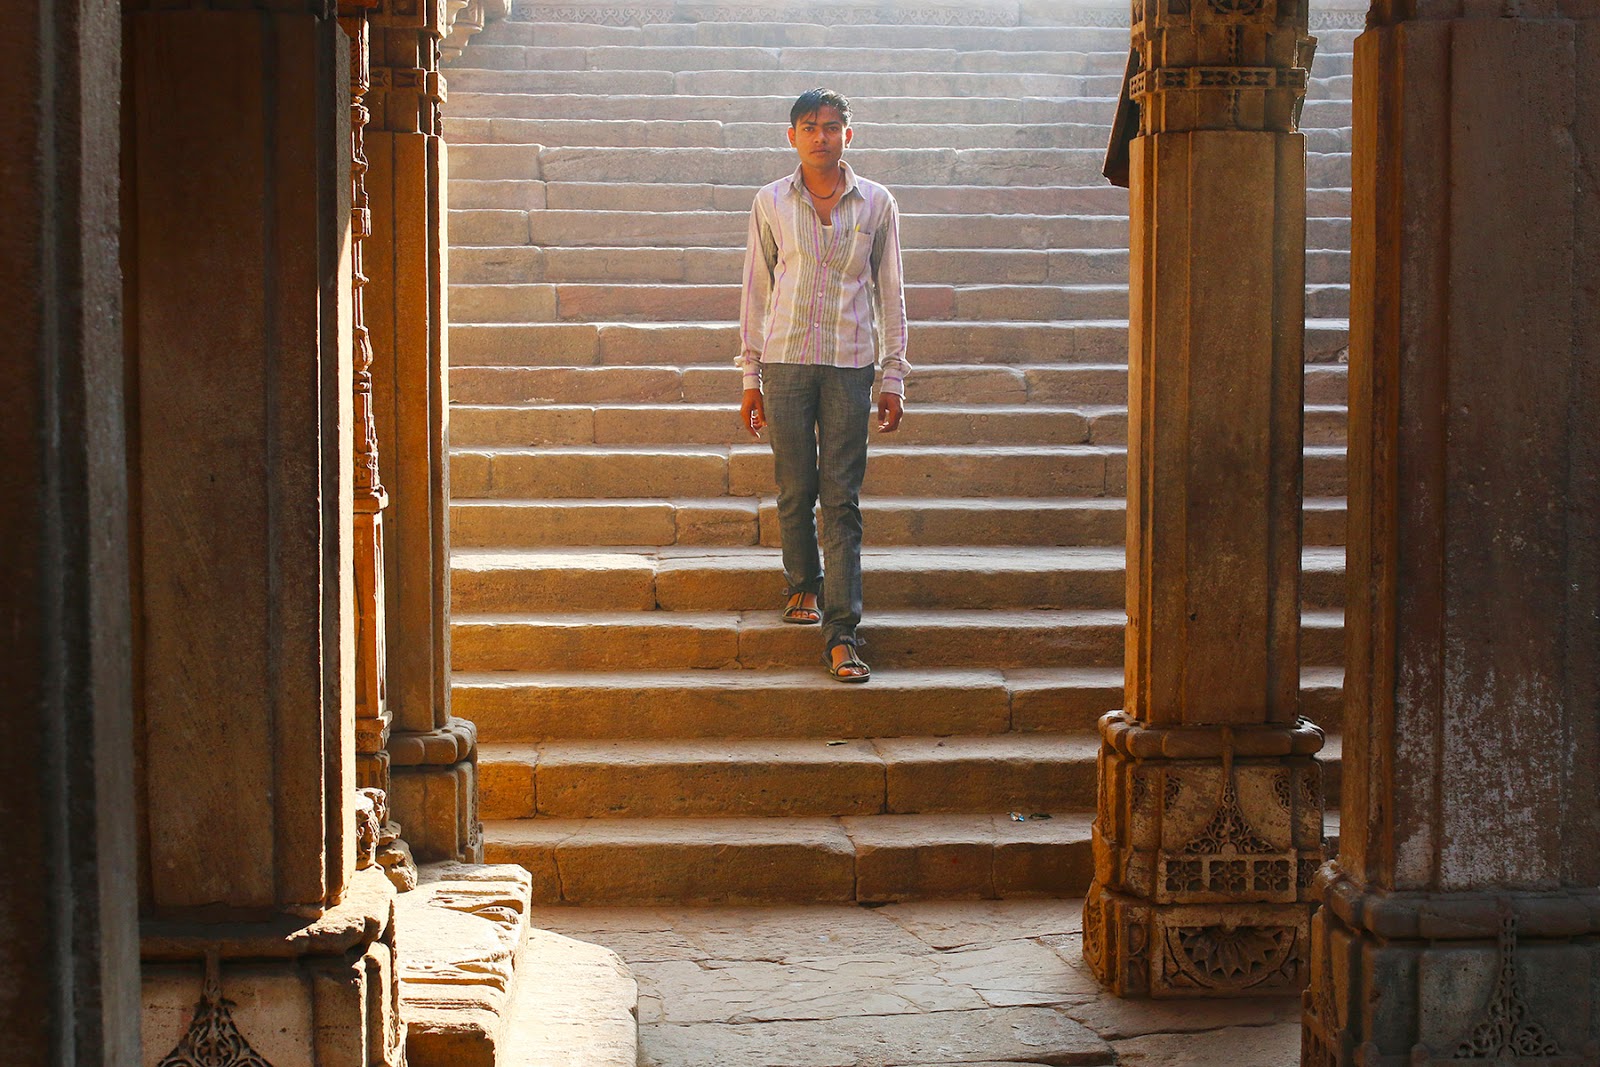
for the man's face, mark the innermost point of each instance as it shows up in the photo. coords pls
(820, 137)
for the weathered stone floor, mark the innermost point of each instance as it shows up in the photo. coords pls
(978, 983)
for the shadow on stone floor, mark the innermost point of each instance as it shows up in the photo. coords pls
(977, 983)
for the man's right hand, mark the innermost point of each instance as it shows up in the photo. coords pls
(753, 413)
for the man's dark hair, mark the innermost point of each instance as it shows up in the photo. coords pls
(813, 100)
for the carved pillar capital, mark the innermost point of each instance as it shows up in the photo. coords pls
(1220, 64)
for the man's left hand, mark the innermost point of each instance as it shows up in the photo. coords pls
(890, 408)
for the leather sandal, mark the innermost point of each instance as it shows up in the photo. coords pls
(851, 662)
(795, 610)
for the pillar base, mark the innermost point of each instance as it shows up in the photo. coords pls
(1441, 978)
(1205, 847)
(433, 790)
(321, 993)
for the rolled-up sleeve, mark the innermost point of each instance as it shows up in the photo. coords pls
(889, 296)
(760, 260)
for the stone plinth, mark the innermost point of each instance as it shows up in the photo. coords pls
(1209, 818)
(434, 782)
(1460, 914)
(1204, 853)
(299, 994)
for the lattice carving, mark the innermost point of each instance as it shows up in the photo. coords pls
(1228, 830)
(213, 1039)
(1507, 1031)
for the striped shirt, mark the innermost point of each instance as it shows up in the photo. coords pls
(818, 294)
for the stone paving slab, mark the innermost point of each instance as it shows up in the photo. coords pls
(980, 984)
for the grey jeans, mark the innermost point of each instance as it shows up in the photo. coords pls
(818, 418)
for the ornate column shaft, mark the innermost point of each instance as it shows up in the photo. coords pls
(1461, 915)
(239, 295)
(372, 707)
(433, 756)
(1210, 805)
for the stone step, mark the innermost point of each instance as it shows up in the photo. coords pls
(628, 424)
(526, 264)
(580, 302)
(893, 167)
(756, 166)
(652, 106)
(788, 777)
(1095, 384)
(681, 640)
(487, 426)
(504, 227)
(746, 470)
(707, 133)
(869, 859)
(528, 195)
(1021, 110)
(969, 576)
(935, 471)
(749, 521)
(933, 344)
(866, 85)
(850, 60)
(740, 704)
(787, 34)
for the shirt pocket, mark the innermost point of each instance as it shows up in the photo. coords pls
(856, 253)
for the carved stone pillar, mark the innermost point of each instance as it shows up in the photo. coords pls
(372, 707)
(1462, 920)
(1209, 820)
(433, 756)
(238, 289)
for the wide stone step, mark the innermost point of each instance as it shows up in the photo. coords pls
(866, 85)
(746, 470)
(812, 34)
(870, 859)
(933, 344)
(650, 105)
(747, 166)
(484, 426)
(525, 264)
(749, 521)
(851, 60)
(580, 302)
(681, 640)
(506, 580)
(1092, 384)
(506, 227)
(643, 705)
(971, 200)
(707, 133)
(782, 777)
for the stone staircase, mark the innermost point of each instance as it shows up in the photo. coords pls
(650, 731)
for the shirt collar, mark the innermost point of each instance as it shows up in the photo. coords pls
(797, 187)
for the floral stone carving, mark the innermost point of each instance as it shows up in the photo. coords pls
(213, 1040)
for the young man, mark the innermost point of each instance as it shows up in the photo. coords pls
(823, 305)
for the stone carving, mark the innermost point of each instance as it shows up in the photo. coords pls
(1138, 791)
(1094, 944)
(1225, 959)
(1242, 8)
(1507, 1032)
(1281, 788)
(1173, 790)
(368, 829)
(212, 1039)
(1228, 830)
